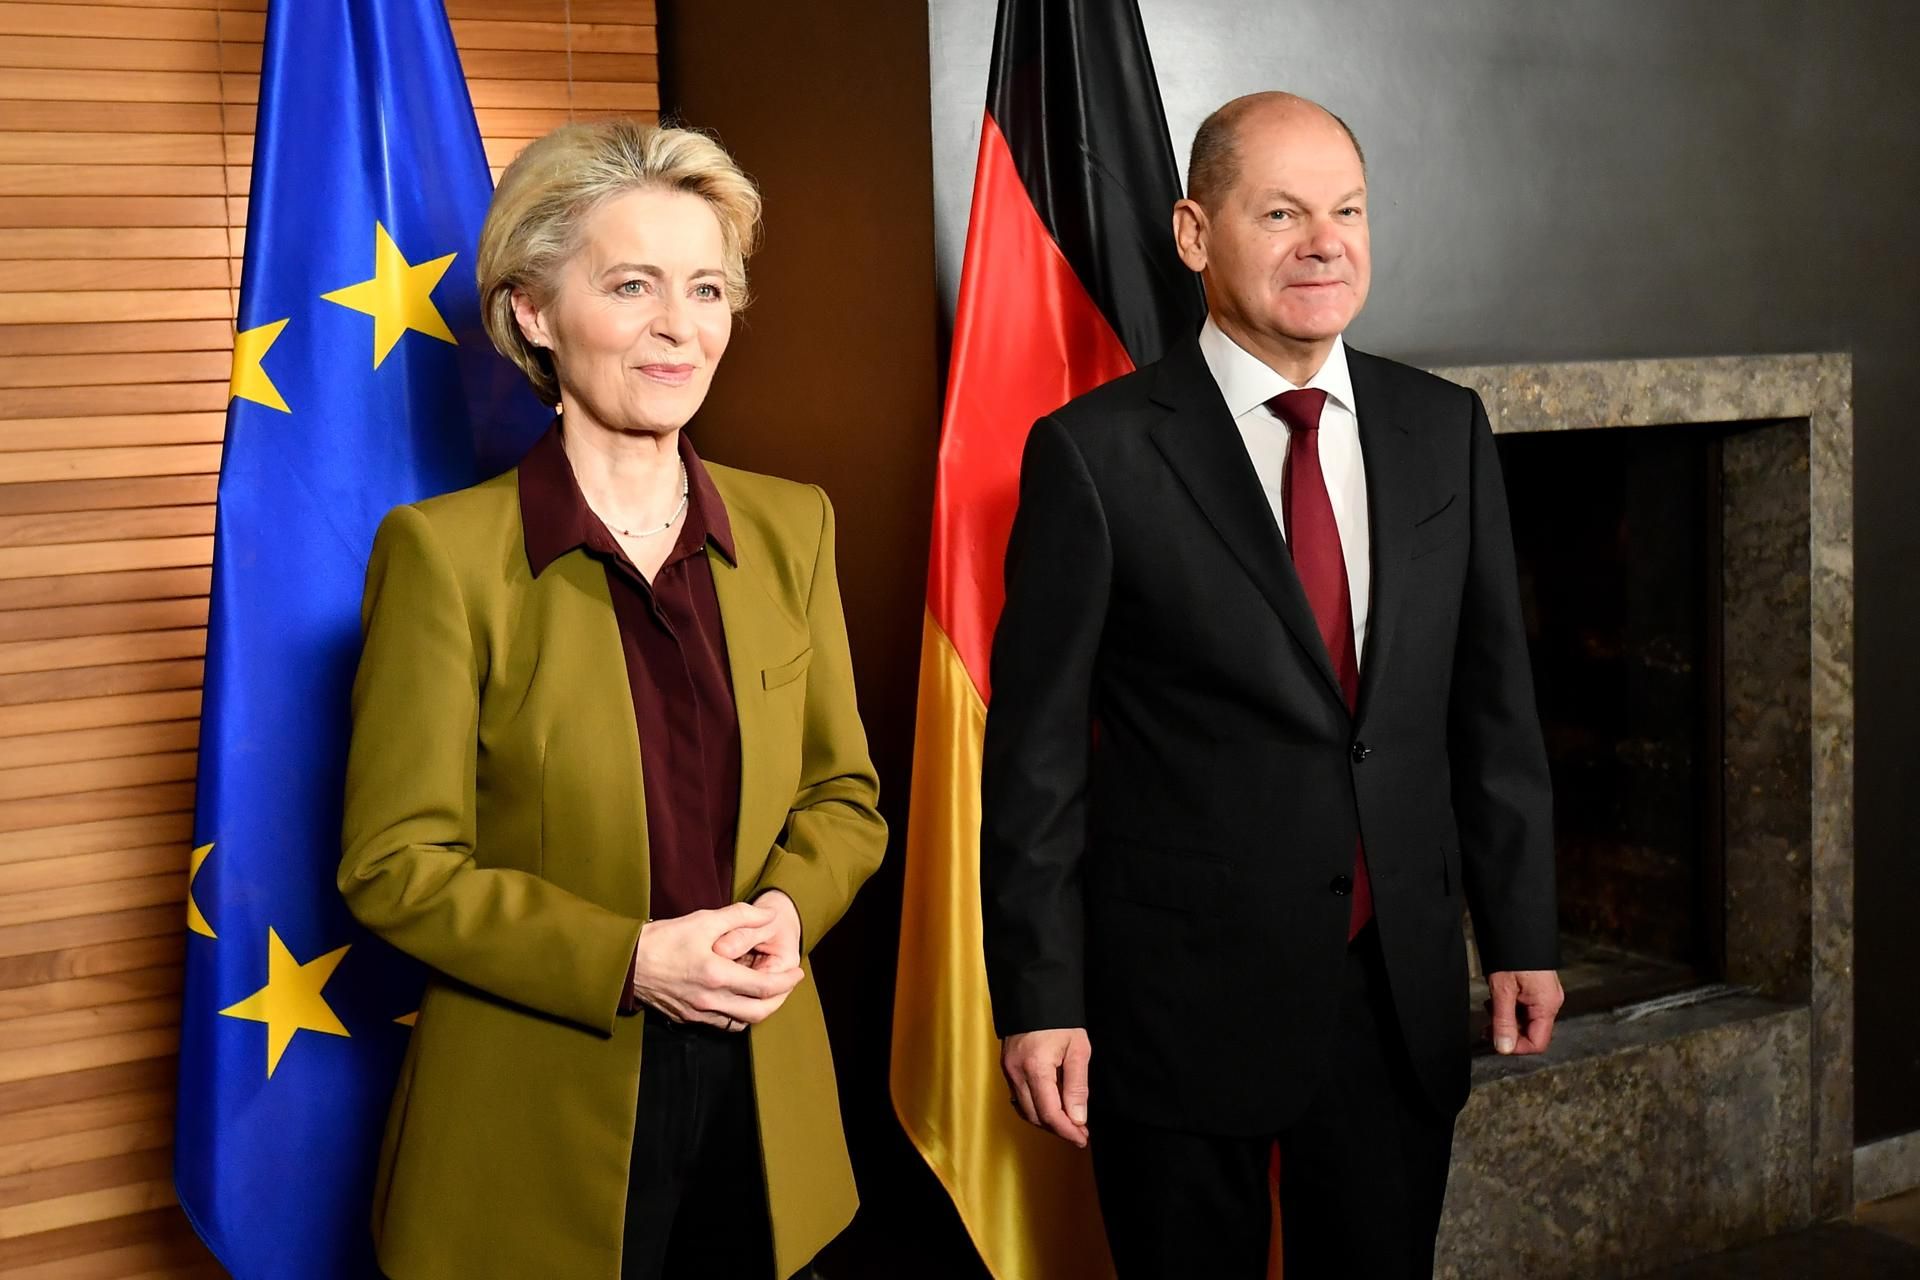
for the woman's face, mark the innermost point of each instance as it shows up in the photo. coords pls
(640, 316)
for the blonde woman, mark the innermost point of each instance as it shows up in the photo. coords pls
(608, 779)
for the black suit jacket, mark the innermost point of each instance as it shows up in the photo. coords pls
(1173, 782)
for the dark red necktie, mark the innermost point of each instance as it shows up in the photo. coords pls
(1313, 539)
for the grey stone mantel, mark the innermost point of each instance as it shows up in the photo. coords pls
(1634, 1144)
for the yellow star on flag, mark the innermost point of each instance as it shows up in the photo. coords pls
(399, 297)
(250, 380)
(291, 1000)
(196, 921)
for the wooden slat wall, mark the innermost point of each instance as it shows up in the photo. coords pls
(126, 136)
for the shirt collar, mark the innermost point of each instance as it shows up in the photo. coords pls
(556, 519)
(1247, 382)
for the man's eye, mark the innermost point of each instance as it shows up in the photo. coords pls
(1278, 214)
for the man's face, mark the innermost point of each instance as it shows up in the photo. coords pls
(1285, 256)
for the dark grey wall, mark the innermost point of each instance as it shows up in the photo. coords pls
(1623, 178)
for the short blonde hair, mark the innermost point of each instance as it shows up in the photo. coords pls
(540, 209)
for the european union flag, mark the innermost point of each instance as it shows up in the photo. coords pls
(361, 380)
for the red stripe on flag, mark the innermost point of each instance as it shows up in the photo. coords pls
(1027, 339)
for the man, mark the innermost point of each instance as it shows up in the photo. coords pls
(1261, 723)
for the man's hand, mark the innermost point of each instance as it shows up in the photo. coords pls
(1047, 1071)
(1537, 989)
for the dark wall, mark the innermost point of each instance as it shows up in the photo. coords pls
(1622, 178)
(832, 378)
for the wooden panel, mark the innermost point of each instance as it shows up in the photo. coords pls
(165, 951)
(596, 38)
(74, 1117)
(115, 926)
(33, 781)
(137, 336)
(27, 116)
(64, 1026)
(542, 93)
(91, 1206)
(581, 11)
(97, 620)
(53, 687)
(111, 494)
(119, 242)
(113, 179)
(104, 588)
(98, 1022)
(106, 274)
(89, 464)
(80, 993)
(69, 402)
(85, 53)
(46, 307)
(149, 522)
(75, 1179)
(98, 837)
(120, 429)
(75, 1086)
(79, 870)
(96, 744)
(126, 22)
(539, 64)
(78, 1055)
(211, 367)
(104, 557)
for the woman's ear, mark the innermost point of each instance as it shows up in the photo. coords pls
(532, 319)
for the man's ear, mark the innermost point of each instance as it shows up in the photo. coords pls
(1190, 233)
(532, 319)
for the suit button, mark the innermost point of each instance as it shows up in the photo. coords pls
(1360, 751)
(1340, 886)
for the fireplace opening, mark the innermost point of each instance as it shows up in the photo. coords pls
(1619, 541)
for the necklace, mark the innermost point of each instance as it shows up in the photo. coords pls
(661, 528)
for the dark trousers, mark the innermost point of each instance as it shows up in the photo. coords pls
(1363, 1170)
(696, 1196)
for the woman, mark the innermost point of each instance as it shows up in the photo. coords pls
(606, 761)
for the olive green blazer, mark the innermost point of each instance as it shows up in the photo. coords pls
(496, 829)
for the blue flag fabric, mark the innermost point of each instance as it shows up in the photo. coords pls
(361, 380)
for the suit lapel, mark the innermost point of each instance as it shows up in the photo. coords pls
(1388, 450)
(1202, 445)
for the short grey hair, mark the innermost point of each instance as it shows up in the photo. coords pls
(1213, 167)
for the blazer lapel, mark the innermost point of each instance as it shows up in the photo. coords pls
(760, 633)
(1392, 462)
(1202, 445)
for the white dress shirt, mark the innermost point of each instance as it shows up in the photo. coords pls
(1247, 383)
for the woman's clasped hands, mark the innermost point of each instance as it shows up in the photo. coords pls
(728, 968)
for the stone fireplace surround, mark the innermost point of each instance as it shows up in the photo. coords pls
(1650, 1136)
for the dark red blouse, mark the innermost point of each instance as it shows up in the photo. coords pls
(676, 655)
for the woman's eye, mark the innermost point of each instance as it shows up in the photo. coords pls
(631, 288)
(710, 292)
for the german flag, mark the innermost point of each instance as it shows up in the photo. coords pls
(1070, 279)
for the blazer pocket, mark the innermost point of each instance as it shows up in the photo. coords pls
(1436, 529)
(786, 672)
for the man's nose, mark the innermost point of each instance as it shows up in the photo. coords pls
(1325, 242)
